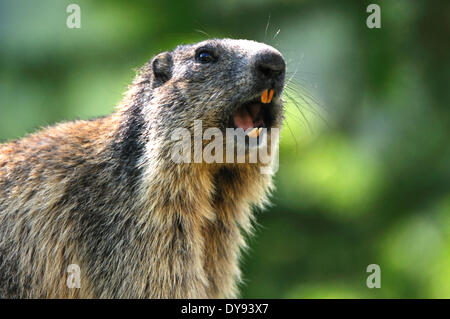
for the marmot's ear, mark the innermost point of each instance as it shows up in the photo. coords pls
(162, 65)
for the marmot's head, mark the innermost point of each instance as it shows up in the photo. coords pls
(220, 82)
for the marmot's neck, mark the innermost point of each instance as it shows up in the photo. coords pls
(141, 148)
(196, 210)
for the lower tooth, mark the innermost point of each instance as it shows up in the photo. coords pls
(254, 133)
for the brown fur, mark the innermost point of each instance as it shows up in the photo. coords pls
(105, 195)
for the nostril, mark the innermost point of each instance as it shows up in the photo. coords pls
(270, 65)
(269, 73)
(266, 71)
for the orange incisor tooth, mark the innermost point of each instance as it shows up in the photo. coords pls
(264, 96)
(270, 96)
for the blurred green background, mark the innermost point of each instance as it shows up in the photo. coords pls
(364, 172)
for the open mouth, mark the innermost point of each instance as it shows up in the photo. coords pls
(254, 115)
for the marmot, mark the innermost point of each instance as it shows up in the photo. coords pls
(105, 195)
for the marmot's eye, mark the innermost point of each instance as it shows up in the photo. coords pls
(204, 56)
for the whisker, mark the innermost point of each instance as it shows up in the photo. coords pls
(202, 32)
(295, 117)
(308, 100)
(267, 27)
(296, 70)
(276, 34)
(302, 92)
(297, 105)
(293, 136)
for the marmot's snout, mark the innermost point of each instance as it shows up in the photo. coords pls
(270, 68)
(263, 111)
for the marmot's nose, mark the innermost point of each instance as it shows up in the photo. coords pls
(270, 66)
